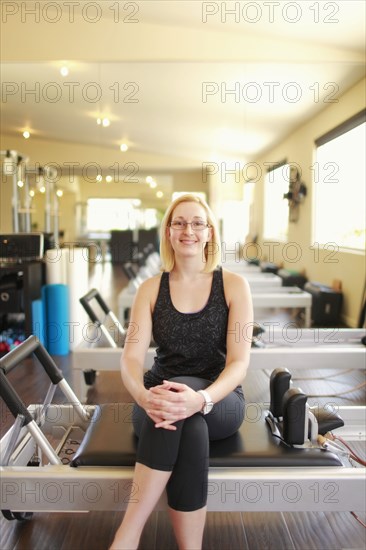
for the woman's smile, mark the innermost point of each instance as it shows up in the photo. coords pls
(188, 241)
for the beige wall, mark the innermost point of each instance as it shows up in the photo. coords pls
(5, 204)
(299, 147)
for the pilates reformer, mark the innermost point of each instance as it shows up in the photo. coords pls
(274, 463)
(307, 348)
(263, 281)
(283, 297)
(105, 332)
(242, 267)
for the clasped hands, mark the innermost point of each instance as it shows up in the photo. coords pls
(169, 402)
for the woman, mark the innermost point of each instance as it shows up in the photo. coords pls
(201, 319)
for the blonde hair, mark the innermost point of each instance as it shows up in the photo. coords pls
(212, 249)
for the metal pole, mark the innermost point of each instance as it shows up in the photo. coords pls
(15, 197)
(27, 203)
(55, 218)
(48, 186)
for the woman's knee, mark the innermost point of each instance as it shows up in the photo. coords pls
(195, 431)
(192, 381)
(187, 486)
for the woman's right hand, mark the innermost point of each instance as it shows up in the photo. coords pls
(170, 414)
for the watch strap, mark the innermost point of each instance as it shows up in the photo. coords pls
(208, 404)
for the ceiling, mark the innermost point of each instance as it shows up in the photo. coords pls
(182, 82)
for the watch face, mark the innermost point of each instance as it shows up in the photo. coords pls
(208, 407)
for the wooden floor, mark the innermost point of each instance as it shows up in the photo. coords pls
(224, 531)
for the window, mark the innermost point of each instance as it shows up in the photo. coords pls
(248, 200)
(234, 224)
(339, 186)
(276, 184)
(108, 214)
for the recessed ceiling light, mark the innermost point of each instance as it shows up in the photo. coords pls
(106, 122)
(124, 147)
(153, 184)
(160, 194)
(64, 71)
(26, 134)
(59, 192)
(99, 121)
(99, 177)
(31, 193)
(42, 189)
(20, 183)
(108, 179)
(149, 179)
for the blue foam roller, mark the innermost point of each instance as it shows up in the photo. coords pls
(44, 302)
(38, 321)
(57, 318)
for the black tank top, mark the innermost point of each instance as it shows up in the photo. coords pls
(189, 344)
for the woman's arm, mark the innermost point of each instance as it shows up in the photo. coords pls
(132, 361)
(239, 335)
(138, 339)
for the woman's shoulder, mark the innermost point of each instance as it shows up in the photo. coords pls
(232, 277)
(150, 285)
(147, 293)
(234, 283)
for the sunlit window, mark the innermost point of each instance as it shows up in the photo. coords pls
(248, 200)
(339, 189)
(276, 184)
(108, 214)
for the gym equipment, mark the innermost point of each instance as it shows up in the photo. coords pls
(290, 297)
(21, 247)
(269, 267)
(327, 303)
(122, 246)
(15, 165)
(118, 331)
(318, 348)
(292, 278)
(252, 470)
(241, 267)
(262, 281)
(92, 355)
(55, 300)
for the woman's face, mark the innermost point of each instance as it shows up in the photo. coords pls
(188, 241)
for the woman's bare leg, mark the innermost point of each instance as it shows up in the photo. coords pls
(149, 486)
(188, 527)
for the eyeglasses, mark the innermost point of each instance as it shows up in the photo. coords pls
(196, 225)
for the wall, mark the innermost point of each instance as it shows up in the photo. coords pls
(299, 147)
(5, 205)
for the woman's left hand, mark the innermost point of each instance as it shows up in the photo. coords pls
(173, 401)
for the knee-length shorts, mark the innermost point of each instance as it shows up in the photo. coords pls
(185, 451)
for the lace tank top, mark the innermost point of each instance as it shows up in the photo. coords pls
(189, 344)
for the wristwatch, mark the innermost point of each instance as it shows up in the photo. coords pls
(207, 407)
